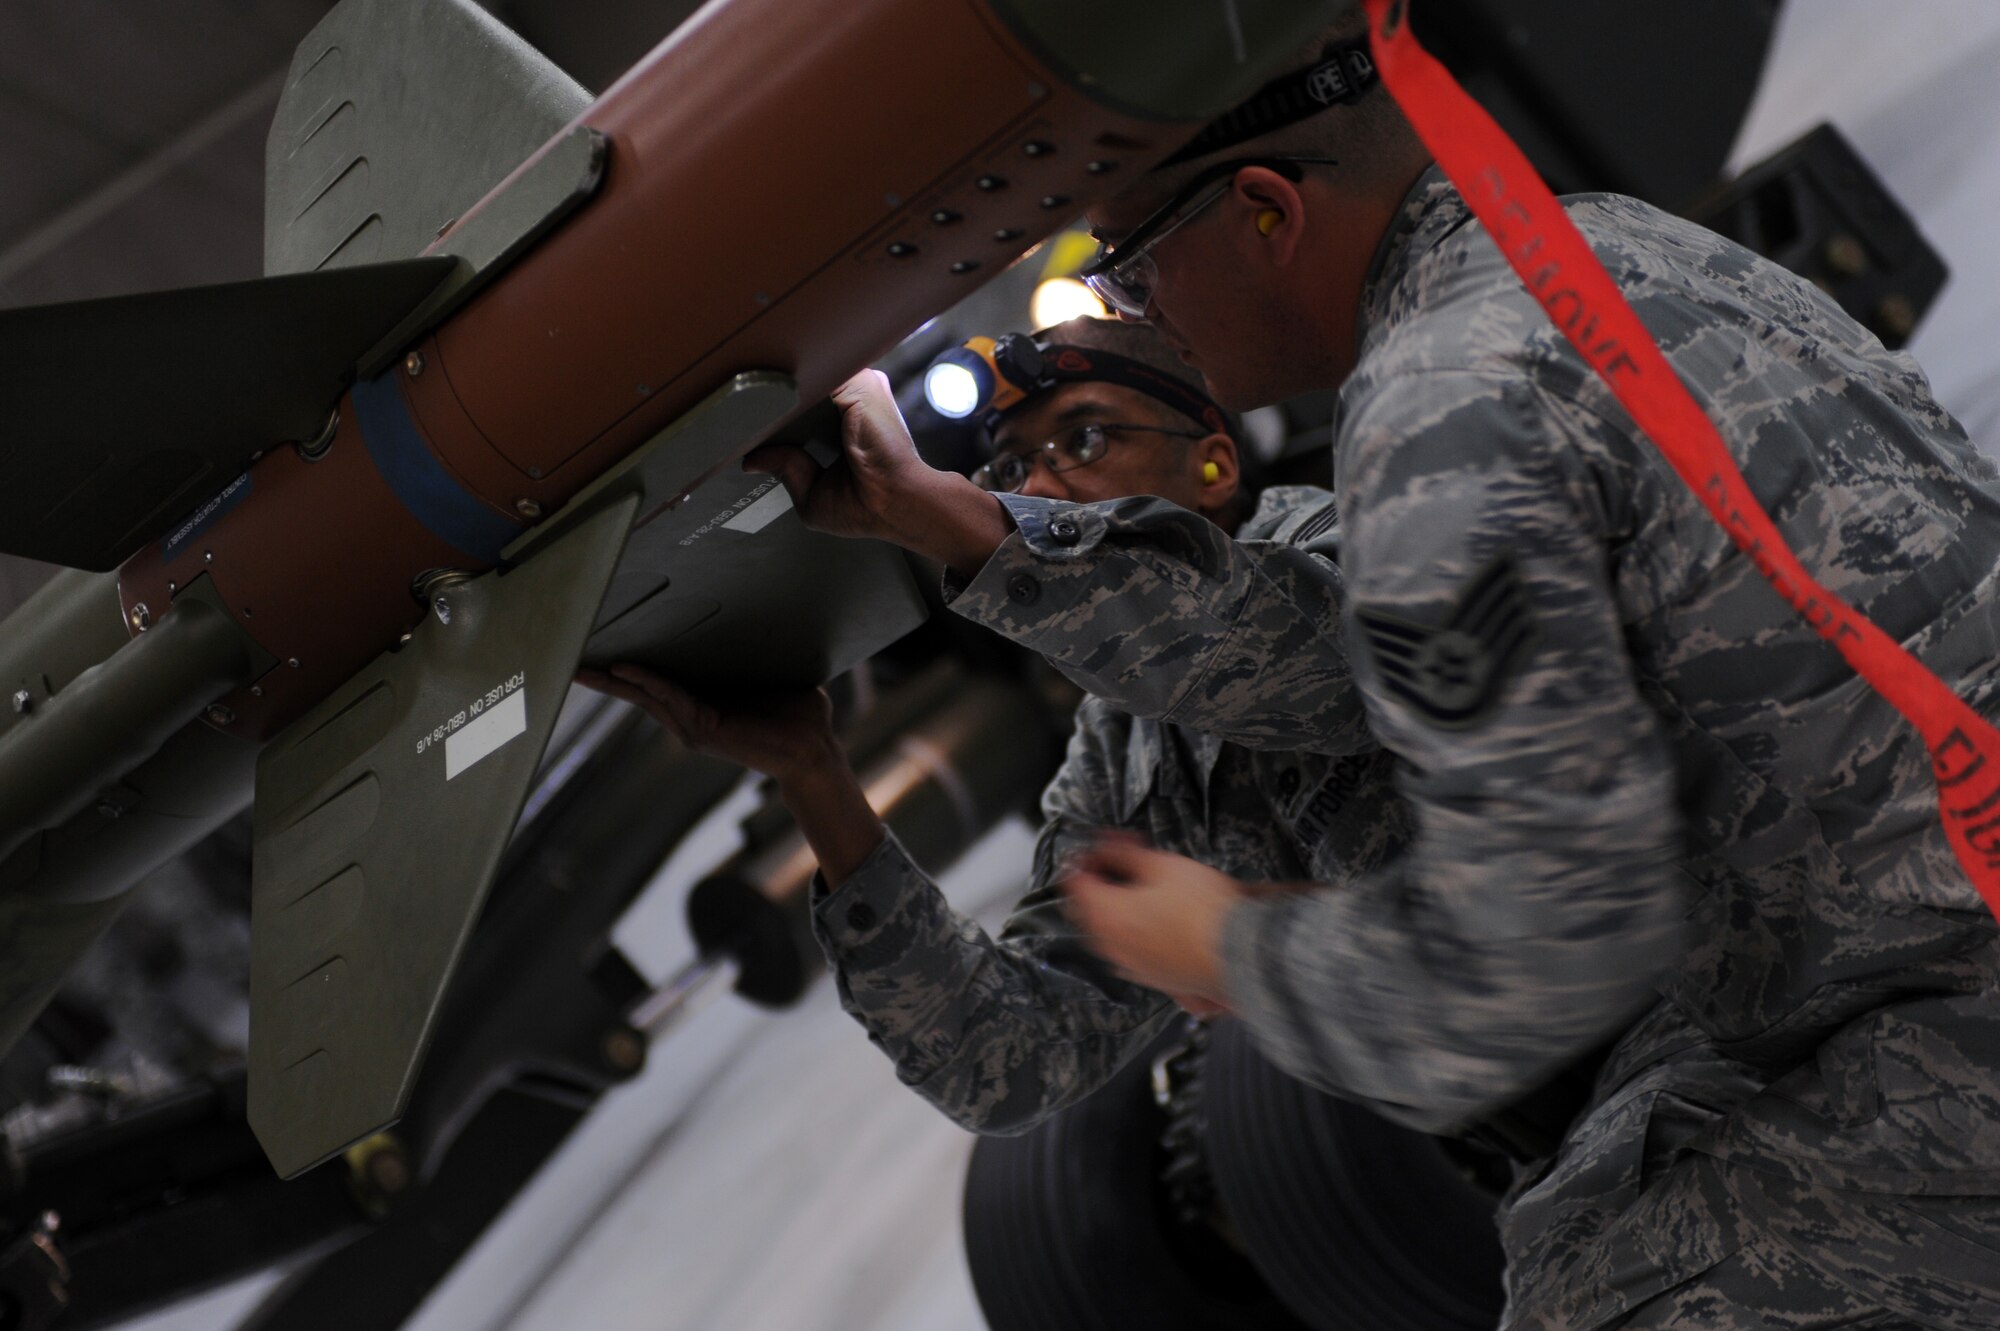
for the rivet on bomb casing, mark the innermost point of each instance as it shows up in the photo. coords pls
(413, 364)
(528, 509)
(218, 715)
(141, 617)
(256, 690)
(293, 663)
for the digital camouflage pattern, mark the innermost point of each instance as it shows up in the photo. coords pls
(1160, 611)
(1001, 1034)
(1674, 812)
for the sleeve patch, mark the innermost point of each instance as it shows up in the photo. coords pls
(1451, 674)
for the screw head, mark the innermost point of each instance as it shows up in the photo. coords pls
(413, 364)
(624, 1050)
(218, 715)
(109, 809)
(23, 700)
(528, 509)
(141, 617)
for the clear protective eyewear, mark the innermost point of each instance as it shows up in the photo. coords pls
(1078, 446)
(1124, 277)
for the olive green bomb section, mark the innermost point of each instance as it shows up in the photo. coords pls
(1172, 60)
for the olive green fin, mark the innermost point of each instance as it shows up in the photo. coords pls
(381, 818)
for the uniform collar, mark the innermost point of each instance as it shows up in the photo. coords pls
(1431, 211)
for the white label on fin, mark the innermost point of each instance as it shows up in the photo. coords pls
(763, 513)
(486, 732)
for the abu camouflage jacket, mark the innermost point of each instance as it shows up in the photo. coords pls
(1000, 1034)
(1649, 800)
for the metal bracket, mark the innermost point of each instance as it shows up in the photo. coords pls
(547, 190)
(746, 408)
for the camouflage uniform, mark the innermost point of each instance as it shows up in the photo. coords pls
(1650, 799)
(1000, 1035)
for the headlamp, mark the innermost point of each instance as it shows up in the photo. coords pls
(985, 374)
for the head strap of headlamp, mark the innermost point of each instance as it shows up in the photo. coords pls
(1064, 363)
(1345, 71)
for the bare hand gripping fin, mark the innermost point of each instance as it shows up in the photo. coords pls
(381, 818)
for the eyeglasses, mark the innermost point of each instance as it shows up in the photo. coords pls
(1124, 277)
(1078, 446)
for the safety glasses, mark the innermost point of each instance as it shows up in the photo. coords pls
(1078, 446)
(1124, 277)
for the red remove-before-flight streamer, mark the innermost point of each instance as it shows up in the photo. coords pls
(1552, 258)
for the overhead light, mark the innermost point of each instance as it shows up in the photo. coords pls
(1060, 299)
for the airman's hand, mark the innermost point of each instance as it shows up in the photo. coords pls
(880, 488)
(1156, 917)
(784, 735)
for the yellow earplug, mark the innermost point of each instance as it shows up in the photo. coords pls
(1210, 472)
(1267, 221)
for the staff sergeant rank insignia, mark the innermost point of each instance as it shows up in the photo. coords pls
(1451, 674)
